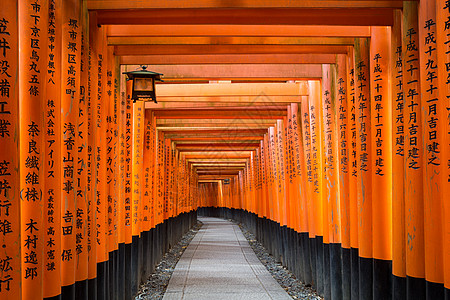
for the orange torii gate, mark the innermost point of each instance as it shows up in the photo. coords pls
(321, 125)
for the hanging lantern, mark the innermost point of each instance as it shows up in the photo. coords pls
(143, 84)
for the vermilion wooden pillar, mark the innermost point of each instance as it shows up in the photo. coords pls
(398, 161)
(331, 171)
(52, 169)
(381, 134)
(33, 16)
(70, 93)
(92, 94)
(363, 152)
(343, 143)
(353, 175)
(82, 192)
(317, 171)
(433, 130)
(443, 52)
(414, 214)
(11, 241)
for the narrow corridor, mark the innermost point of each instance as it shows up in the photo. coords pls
(219, 264)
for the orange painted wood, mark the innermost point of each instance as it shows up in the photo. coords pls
(137, 167)
(353, 161)
(52, 169)
(414, 206)
(331, 169)
(118, 4)
(254, 16)
(31, 137)
(227, 49)
(82, 191)
(432, 104)
(100, 151)
(111, 129)
(70, 93)
(308, 157)
(238, 30)
(398, 150)
(442, 15)
(227, 59)
(92, 94)
(343, 144)
(128, 163)
(363, 147)
(315, 110)
(11, 241)
(381, 136)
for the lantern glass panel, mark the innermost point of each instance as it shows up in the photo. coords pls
(143, 84)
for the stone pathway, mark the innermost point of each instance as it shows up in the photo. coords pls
(219, 264)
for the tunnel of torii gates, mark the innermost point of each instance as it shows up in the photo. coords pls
(321, 125)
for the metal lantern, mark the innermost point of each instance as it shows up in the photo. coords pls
(143, 84)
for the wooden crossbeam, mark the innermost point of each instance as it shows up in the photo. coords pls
(219, 114)
(260, 90)
(237, 31)
(350, 16)
(157, 4)
(228, 40)
(237, 71)
(183, 59)
(227, 49)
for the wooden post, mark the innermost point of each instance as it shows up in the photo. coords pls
(315, 97)
(32, 63)
(398, 161)
(415, 263)
(431, 104)
(353, 175)
(381, 118)
(443, 52)
(82, 192)
(52, 171)
(363, 150)
(10, 239)
(343, 143)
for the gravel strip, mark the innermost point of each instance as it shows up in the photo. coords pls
(157, 283)
(294, 287)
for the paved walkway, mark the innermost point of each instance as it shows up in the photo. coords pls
(219, 264)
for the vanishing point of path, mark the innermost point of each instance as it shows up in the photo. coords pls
(219, 264)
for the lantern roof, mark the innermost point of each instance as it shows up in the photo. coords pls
(144, 72)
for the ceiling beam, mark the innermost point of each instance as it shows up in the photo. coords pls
(228, 40)
(232, 89)
(350, 16)
(140, 50)
(237, 71)
(237, 31)
(182, 59)
(221, 114)
(158, 4)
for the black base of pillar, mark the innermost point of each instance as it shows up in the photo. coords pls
(81, 290)
(382, 279)
(326, 271)
(434, 290)
(68, 292)
(53, 298)
(415, 288)
(354, 260)
(365, 278)
(102, 274)
(336, 271)
(346, 273)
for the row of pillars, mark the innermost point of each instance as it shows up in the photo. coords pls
(364, 161)
(83, 170)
